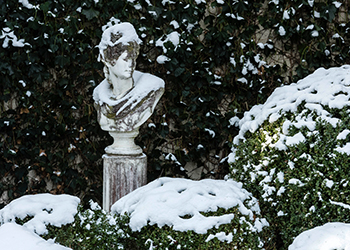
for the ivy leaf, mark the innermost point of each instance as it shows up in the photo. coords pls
(331, 12)
(91, 13)
(45, 6)
(179, 71)
(62, 60)
(54, 47)
(240, 7)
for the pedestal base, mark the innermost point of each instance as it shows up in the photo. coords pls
(124, 143)
(121, 175)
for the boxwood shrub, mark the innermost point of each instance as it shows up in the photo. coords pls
(292, 153)
(170, 213)
(176, 213)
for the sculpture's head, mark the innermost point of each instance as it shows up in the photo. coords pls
(119, 48)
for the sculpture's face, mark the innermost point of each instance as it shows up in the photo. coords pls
(123, 67)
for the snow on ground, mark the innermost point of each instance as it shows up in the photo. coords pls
(16, 237)
(45, 209)
(330, 236)
(166, 201)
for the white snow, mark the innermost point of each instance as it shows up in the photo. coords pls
(9, 35)
(164, 2)
(23, 83)
(340, 204)
(330, 236)
(200, 1)
(28, 5)
(337, 4)
(175, 24)
(45, 209)
(314, 33)
(211, 132)
(166, 201)
(173, 37)
(16, 237)
(295, 139)
(285, 15)
(171, 157)
(221, 236)
(282, 31)
(162, 59)
(345, 149)
(325, 87)
(343, 134)
(234, 121)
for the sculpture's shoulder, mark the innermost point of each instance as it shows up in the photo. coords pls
(101, 92)
(149, 80)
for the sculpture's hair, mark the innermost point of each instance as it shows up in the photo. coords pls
(113, 52)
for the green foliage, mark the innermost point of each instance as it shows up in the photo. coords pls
(92, 229)
(301, 187)
(243, 236)
(230, 56)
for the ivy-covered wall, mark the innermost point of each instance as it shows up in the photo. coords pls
(218, 58)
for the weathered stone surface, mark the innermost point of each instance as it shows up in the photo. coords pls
(122, 174)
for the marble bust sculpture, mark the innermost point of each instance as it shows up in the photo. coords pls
(126, 98)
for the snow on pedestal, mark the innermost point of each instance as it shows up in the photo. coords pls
(124, 100)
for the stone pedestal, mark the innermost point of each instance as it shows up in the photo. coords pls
(121, 175)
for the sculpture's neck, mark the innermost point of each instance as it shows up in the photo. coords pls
(120, 86)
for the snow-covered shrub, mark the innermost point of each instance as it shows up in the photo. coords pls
(60, 217)
(292, 153)
(38, 211)
(171, 213)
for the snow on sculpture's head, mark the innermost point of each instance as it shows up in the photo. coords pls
(119, 48)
